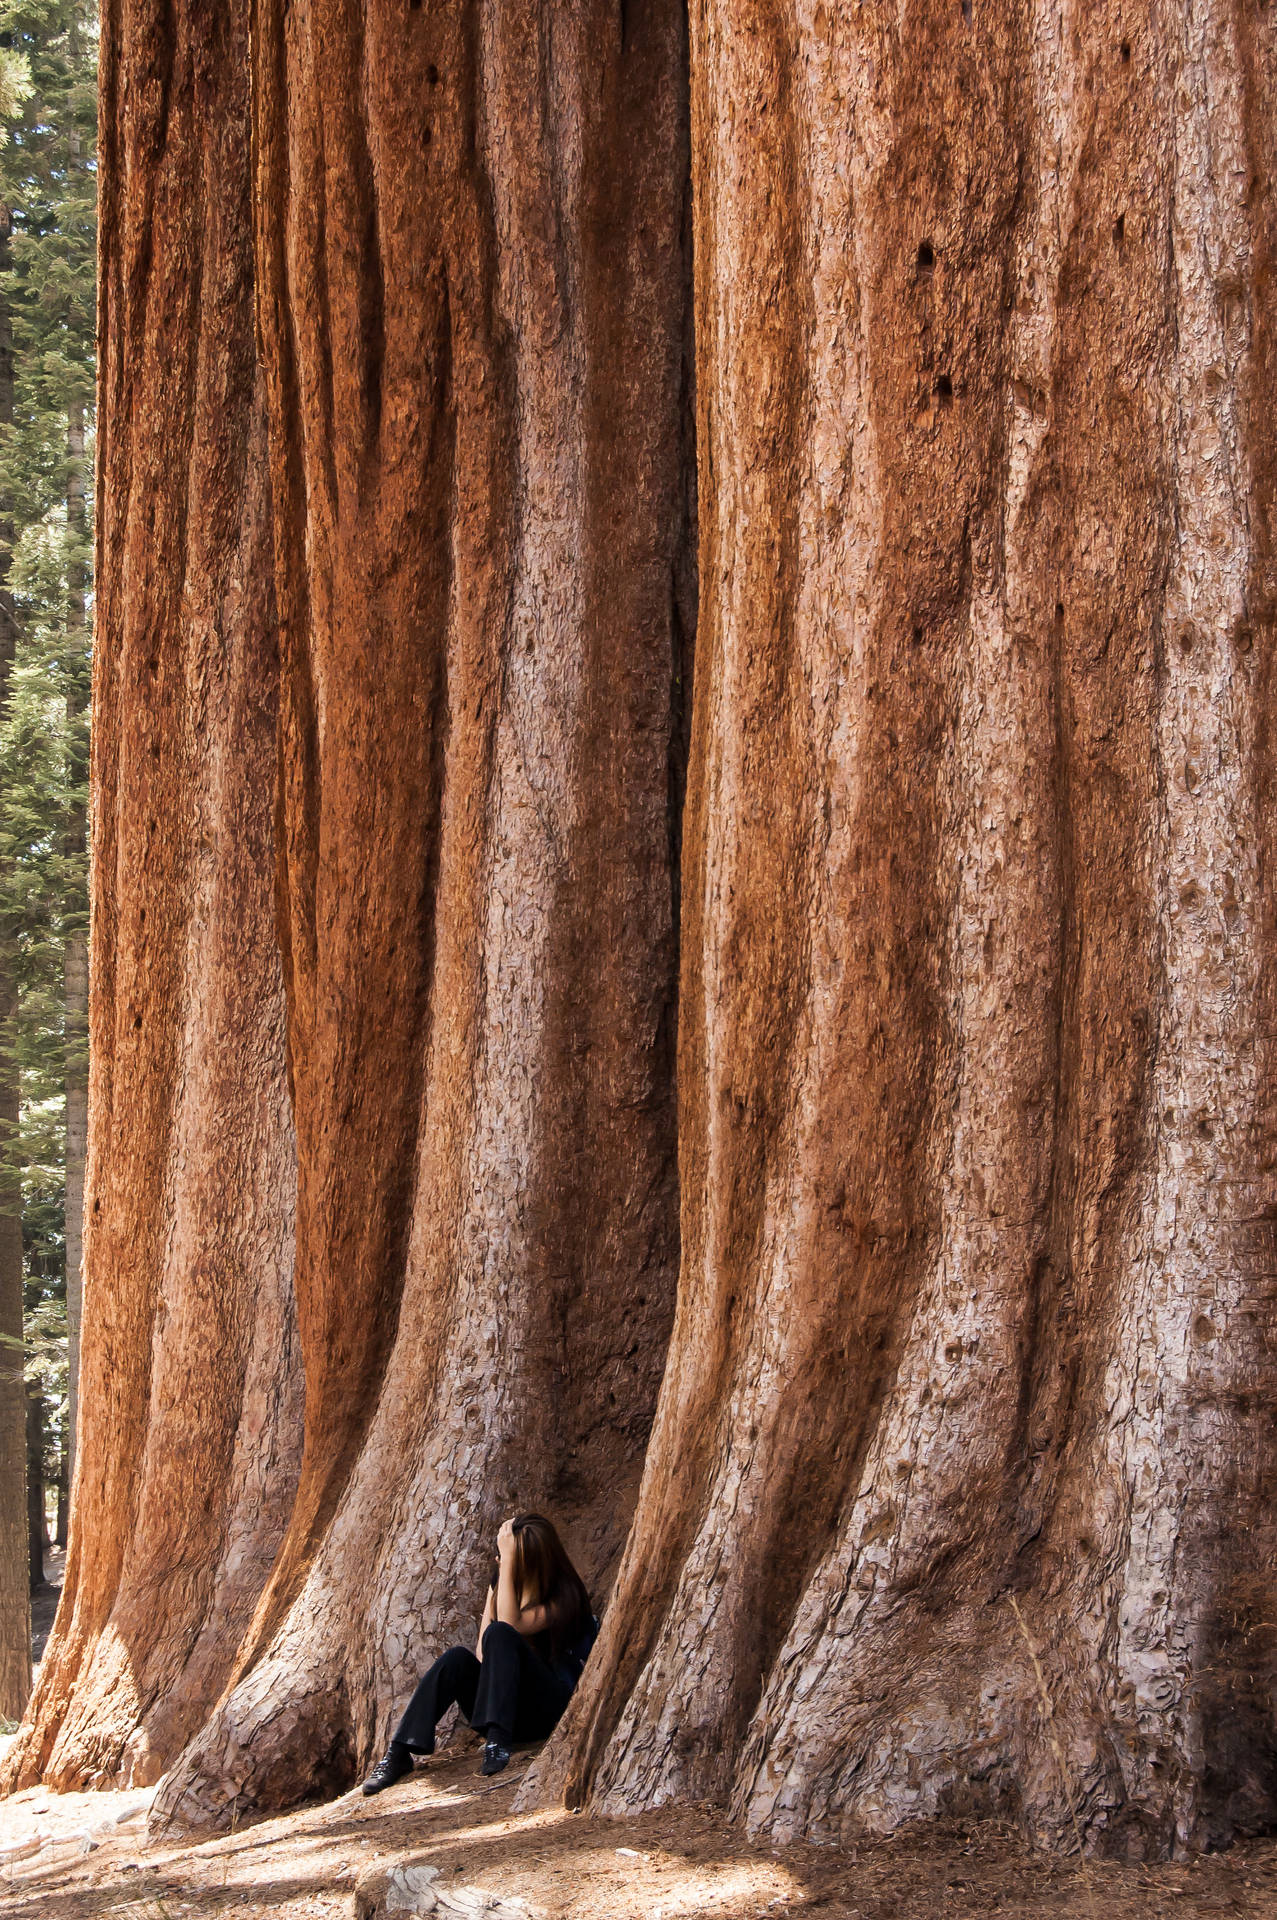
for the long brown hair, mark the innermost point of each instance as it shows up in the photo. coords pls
(545, 1577)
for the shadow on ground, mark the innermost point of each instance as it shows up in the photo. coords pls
(678, 1864)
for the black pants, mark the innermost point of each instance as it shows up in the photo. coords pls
(514, 1694)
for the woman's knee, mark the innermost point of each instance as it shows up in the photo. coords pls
(500, 1634)
(455, 1660)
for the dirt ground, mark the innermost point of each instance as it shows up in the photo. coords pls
(94, 1860)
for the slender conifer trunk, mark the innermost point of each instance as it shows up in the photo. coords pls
(64, 1482)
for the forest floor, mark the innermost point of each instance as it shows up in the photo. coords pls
(330, 1862)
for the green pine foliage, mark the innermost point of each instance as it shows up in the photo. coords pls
(48, 116)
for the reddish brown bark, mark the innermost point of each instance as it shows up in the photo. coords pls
(190, 1414)
(977, 1308)
(473, 297)
(472, 308)
(969, 1397)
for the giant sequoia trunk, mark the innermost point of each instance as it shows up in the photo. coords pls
(473, 288)
(968, 1409)
(974, 1360)
(189, 1425)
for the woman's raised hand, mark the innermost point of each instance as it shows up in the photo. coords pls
(505, 1539)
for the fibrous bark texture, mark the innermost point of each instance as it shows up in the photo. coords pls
(190, 1412)
(960, 1495)
(458, 767)
(473, 292)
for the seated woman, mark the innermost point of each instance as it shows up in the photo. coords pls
(534, 1638)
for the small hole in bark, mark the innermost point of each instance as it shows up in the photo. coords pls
(1186, 640)
(152, 665)
(415, 5)
(1059, 613)
(432, 74)
(966, 11)
(944, 390)
(917, 636)
(425, 136)
(1203, 1330)
(97, 1206)
(137, 1022)
(1084, 1546)
(1119, 230)
(1242, 638)
(1125, 51)
(926, 256)
(953, 1351)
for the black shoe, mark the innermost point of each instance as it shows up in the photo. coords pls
(397, 1763)
(495, 1757)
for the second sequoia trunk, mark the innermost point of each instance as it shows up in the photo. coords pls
(974, 1359)
(473, 295)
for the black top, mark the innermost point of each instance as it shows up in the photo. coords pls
(568, 1660)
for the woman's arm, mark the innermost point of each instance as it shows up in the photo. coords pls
(486, 1621)
(526, 1620)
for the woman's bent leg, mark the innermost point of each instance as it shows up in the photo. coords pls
(454, 1677)
(519, 1695)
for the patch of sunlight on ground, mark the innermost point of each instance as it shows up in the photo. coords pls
(662, 1887)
